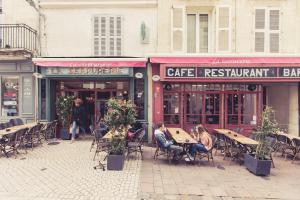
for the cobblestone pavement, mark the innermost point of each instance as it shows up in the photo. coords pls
(64, 172)
(226, 180)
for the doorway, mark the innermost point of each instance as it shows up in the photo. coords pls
(95, 95)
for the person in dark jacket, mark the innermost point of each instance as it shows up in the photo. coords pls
(78, 118)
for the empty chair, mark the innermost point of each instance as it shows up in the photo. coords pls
(296, 147)
(101, 144)
(33, 135)
(136, 144)
(2, 126)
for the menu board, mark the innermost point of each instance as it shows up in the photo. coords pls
(27, 96)
(10, 89)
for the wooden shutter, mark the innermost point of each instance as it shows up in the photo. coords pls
(96, 35)
(178, 26)
(274, 31)
(223, 33)
(107, 35)
(260, 26)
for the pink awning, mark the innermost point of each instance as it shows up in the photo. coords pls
(229, 61)
(93, 62)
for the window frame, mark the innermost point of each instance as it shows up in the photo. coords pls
(223, 29)
(107, 35)
(198, 31)
(267, 31)
(19, 105)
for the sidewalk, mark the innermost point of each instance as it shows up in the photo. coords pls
(227, 180)
(65, 172)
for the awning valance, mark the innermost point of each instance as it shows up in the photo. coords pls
(229, 61)
(90, 62)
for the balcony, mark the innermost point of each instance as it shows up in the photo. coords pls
(18, 38)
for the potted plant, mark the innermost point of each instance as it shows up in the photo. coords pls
(259, 163)
(120, 115)
(64, 106)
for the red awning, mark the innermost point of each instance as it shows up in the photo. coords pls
(229, 61)
(90, 62)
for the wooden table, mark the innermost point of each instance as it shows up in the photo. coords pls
(16, 128)
(237, 137)
(181, 137)
(109, 135)
(288, 135)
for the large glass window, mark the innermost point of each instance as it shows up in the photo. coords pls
(197, 33)
(171, 108)
(212, 108)
(43, 99)
(194, 108)
(10, 97)
(139, 97)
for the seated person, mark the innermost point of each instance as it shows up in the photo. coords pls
(167, 144)
(204, 139)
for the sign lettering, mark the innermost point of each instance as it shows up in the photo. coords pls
(84, 71)
(232, 72)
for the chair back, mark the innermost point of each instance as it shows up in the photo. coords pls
(2, 126)
(141, 135)
(18, 121)
(281, 138)
(11, 138)
(296, 142)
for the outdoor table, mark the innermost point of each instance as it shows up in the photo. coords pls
(16, 128)
(291, 137)
(237, 137)
(109, 135)
(181, 137)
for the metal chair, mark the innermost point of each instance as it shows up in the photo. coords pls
(33, 135)
(102, 145)
(161, 151)
(209, 153)
(219, 143)
(137, 144)
(296, 150)
(12, 141)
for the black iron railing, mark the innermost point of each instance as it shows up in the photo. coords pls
(18, 36)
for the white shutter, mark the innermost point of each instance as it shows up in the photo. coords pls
(191, 33)
(107, 35)
(223, 30)
(96, 35)
(259, 41)
(119, 36)
(260, 18)
(274, 31)
(260, 32)
(103, 36)
(178, 26)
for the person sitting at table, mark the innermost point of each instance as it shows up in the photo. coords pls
(204, 139)
(160, 136)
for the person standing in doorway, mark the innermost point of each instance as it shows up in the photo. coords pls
(78, 117)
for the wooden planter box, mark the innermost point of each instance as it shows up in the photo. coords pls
(257, 167)
(115, 162)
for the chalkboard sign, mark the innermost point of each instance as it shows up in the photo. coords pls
(27, 96)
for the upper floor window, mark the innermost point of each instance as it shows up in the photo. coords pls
(267, 30)
(197, 33)
(107, 35)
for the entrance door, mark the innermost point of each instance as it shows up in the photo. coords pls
(202, 108)
(241, 110)
(101, 103)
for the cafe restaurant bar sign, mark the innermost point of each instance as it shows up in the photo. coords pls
(85, 71)
(232, 73)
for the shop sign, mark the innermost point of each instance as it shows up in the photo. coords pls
(84, 71)
(230, 72)
(138, 75)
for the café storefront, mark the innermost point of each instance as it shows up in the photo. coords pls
(222, 92)
(94, 80)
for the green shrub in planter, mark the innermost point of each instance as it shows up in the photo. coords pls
(260, 163)
(64, 105)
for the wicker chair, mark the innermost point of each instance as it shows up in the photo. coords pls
(137, 144)
(160, 151)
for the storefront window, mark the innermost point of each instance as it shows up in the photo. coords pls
(249, 106)
(171, 108)
(212, 108)
(232, 109)
(139, 98)
(43, 99)
(10, 97)
(194, 108)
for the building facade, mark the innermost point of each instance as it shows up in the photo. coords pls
(18, 45)
(96, 50)
(219, 63)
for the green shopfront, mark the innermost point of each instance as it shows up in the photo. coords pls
(94, 81)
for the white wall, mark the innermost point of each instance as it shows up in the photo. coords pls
(242, 23)
(69, 30)
(19, 11)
